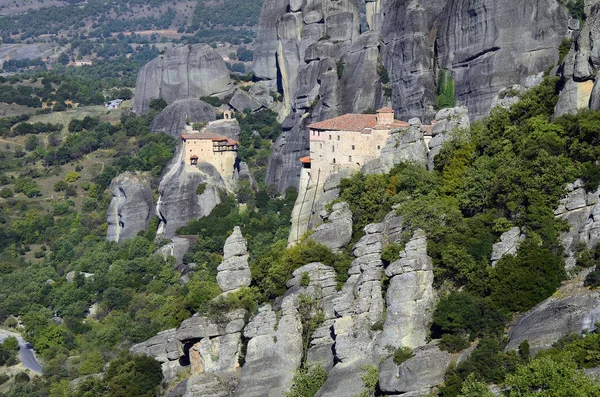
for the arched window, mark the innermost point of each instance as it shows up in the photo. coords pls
(333, 161)
(333, 149)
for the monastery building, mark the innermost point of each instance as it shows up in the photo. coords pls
(348, 141)
(208, 147)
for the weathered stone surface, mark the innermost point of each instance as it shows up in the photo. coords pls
(476, 39)
(173, 118)
(234, 272)
(508, 244)
(181, 72)
(408, 56)
(425, 370)
(267, 44)
(272, 357)
(448, 121)
(402, 145)
(554, 318)
(177, 248)
(132, 206)
(582, 211)
(336, 233)
(595, 99)
(178, 202)
(163, 347)
(410, 297)
(241, 101)
(70, 277)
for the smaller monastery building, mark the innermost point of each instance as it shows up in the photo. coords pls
(208, 147)
(348, 141)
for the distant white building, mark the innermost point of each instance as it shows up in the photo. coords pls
(114, 104)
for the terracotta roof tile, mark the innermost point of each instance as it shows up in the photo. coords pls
(305, 159)
(209, 135)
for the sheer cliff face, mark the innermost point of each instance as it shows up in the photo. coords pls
(492, 44)
(486, 45)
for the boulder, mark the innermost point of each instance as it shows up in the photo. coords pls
(423, 371)
(173, 119)
(336, 233)
(554, 318)
(163, 347)
(177, 248)
(181, 72)
(241, 101)
(234, 272)
(132, 206)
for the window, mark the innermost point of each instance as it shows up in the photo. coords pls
(320, 146)
(333, 149)
(349, 159)
(378, 147)
(329, 137)
(339, 137)
(333, 161)
(353, 147)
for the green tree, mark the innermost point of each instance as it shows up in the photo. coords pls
(307, 381)
(548, 377)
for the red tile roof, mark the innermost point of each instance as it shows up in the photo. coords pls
(209, 135)
(194, 157)
(305, 159)
(354, 122)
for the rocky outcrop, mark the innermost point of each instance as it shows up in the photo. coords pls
(448, 122)
(579, 68)
(186, 71)
(336, 233)
(508, 245)
(420, 373)
(274, 351)
(410, 297)
(131, 207)
(177, 248)
(403, 145)
(173, 119)
(178, 202)
(581, 209)
(241, 101)
(476, 38)
(234, 272)
(208, 347)
(554, 318)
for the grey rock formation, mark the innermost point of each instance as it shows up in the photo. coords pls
(163, 347)
(419, 373)
(410, 297)
(508, 244)
(70, 277)
(178, 202)
(476, 39)
(177, 248)
(227, 128)
(595, 99)
(131, 207)
(408, 55)
(336, 233)
(265, 54)
(181, 72)
(274, 351)
(173, 118)
(403, 145)
(448, 122)
(234, 272)
(241, 101)
(581, 209)
(554, 318)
